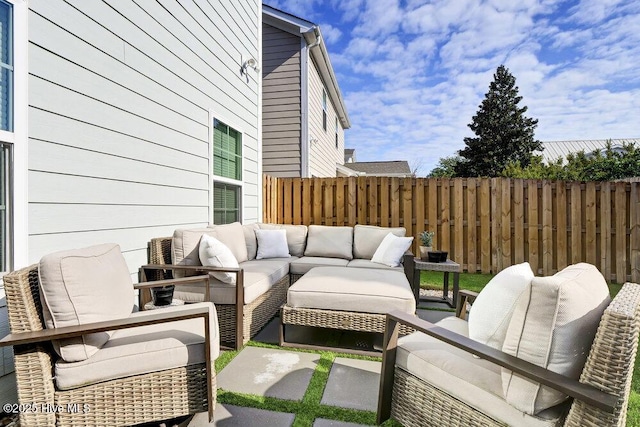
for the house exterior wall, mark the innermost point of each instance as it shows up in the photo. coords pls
(120, 100)
(323, 153)
(281, 114)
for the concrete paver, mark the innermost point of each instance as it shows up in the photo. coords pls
(353, 383)
(238, 416)
(269, 372)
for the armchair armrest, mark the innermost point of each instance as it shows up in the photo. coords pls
(205, 269)
(162, 316)
(584, 392)
(182, 281)
(408, 263)
(464, 297)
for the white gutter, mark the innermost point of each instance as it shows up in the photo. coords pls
(326, 71)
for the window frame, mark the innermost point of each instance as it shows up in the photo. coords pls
(324, 109)
(14, 141)
(10, 66)
(213, 179)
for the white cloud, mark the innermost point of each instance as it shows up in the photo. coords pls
(330, 33)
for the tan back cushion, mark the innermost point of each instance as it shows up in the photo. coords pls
(296, 236)
(250, 240)
(553, 326)
(232, 235)
(185, 246)
(367, 239)
(84, 286)
(186, 243)
(330, 242)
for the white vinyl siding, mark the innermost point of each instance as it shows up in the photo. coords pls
(323, 155)
(120, 94)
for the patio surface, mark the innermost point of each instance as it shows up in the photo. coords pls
(285, 374)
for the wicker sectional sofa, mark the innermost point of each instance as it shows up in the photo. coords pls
(264, 281)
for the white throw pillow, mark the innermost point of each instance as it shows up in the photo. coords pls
(214, 253)
(553, 326)
(491, 312)
(272, 244)
(391, 250)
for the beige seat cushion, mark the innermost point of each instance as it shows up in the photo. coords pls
(367, 238)
(353, 289)
(259, 277)
(143, 349)
(306, 263)
(84, 286)
(186, 242)
(365, 263)
(473, 381)
(553, 326)
(330, 242)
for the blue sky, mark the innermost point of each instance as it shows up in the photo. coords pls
(414, 72)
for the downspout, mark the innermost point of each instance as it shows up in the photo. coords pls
(305, 143)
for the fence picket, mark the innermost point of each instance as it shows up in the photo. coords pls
(472, 226)
(620, 230)
(576, 223)
(485, 225)
(591, 218)
(561, 225)
(533, 225)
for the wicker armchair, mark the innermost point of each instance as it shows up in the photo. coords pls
(600, 397)
(147, 397)
(238, 322)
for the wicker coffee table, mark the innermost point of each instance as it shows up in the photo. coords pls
(445, 267)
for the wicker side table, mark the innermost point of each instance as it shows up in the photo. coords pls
(446, 267)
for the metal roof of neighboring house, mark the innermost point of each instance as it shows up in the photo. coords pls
(313, 37)
(388, 168)
(554, 150)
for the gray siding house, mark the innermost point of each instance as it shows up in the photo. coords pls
(304, 116)
(121, 121)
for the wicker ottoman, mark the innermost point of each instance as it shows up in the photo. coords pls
(346, 298)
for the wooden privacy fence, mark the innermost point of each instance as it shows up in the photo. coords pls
(486, 224)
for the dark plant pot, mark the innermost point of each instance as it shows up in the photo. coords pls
(162, 295)
(434, 256)
(437, 256)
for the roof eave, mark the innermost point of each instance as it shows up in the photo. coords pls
(307, 29)
(321, 56)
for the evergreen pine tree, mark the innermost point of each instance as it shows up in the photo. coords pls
(504, 134)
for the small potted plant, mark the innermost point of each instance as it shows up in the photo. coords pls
(426, 238)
